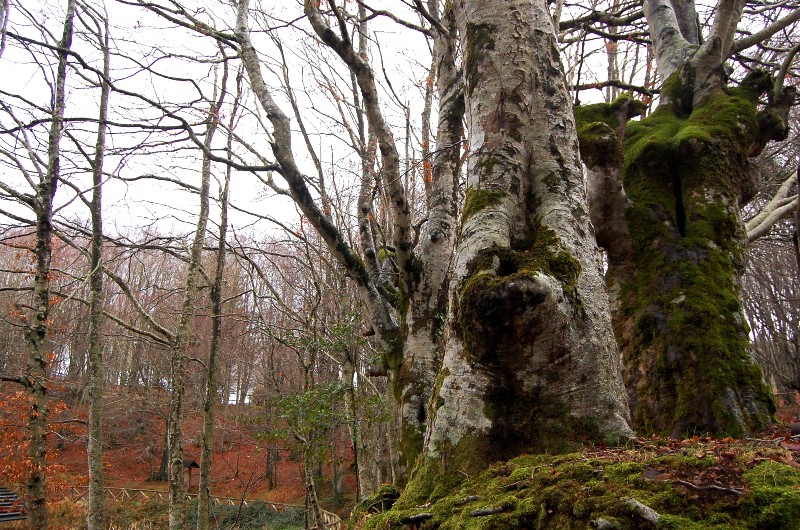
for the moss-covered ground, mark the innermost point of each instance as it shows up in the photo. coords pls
(699, 483)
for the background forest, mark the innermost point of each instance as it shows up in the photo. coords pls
(318, 247)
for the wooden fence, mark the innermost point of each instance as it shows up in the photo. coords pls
(78, 493)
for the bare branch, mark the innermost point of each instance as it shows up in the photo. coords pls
(766, 33)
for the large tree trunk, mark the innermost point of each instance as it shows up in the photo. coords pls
(531, 363)
(684, 338)
(677, 245)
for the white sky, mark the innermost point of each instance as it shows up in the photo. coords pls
(141, 36)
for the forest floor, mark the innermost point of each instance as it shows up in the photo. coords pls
(134, 436)
(696, 483)
(239, 467)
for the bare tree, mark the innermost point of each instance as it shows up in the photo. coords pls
(35, 379)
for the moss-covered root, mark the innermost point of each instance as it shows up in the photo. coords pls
(583, 491)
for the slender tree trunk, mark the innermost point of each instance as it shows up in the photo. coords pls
(177, 487)
(95, 518)
(414, 378)
(531, 362)
(212, 368)
(353, 421)
(36, 333)
(796, 235)
(336, 469)
(164, 461)
(313, 510)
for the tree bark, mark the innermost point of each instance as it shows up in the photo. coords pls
(683, 336)
(96, 519)
(212, 364)
(415, 375)
(37, 330)
(177, 487)
(530, 363)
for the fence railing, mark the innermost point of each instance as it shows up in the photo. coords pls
(78, 493)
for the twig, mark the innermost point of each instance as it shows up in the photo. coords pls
(414, 519)
(487, 511)
(603, 524)
(711, 487)
(468, 499)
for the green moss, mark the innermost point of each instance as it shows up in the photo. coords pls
(775, 495)
(479, 314)
(597, 126)
(598, 144)
(607, 113)
(379, 502)
(568, 491)
(437, 401)
(772, 474)
(384, 254)
(476, 200)
(677, 91)
(681, 171)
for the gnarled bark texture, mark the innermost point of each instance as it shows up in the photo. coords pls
(427, 307)
(530, 362)
(678, 243)
(683, 336)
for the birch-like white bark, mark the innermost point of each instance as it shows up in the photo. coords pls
(523, 145)
(781, 206)
(686, 14)
(672, 49)
(708, 60)
(177, 486)
(428, 305)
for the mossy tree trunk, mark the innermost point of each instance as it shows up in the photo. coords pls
(683, 335)
(530, 363)
(675, 242)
